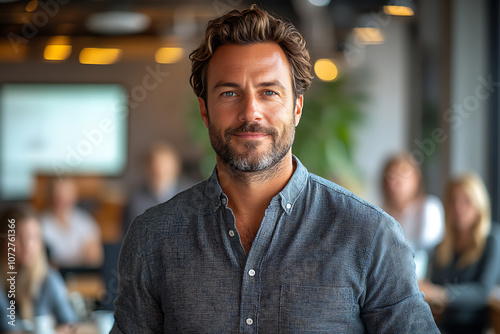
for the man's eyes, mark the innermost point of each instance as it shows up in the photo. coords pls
(233, 94)
(228, 94)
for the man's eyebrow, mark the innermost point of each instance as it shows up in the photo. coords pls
(226, 84)
(271, 84)
(261, 84)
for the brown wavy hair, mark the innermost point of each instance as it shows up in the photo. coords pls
(250, 26)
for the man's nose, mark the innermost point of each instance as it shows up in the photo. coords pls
(251, 109)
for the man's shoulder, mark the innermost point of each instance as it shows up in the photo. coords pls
(342, 198)
(359, 219)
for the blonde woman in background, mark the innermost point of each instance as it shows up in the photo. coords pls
(420, 215)
(465, 266)
(40, 293)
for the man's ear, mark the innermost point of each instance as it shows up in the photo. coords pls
(203, 111)
(299, 103)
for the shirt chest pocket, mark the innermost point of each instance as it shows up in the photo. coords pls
(313, 309)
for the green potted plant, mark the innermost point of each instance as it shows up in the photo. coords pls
(324, 139)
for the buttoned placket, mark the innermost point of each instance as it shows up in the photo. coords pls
(251, 287)
(252, 263)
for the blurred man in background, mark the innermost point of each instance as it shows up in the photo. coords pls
(162, 171)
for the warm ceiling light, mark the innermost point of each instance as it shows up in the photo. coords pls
(398, 10)
(99, 56)
(57, 52)
(369, 35)
(168, 55)
(58, 48)
(31, 6)
(325, 69)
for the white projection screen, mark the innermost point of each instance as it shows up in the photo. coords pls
(60, 129)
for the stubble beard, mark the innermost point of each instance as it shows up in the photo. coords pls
(251, 160)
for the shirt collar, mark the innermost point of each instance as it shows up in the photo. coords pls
(288, 196)
(294, 187)
(213, 191)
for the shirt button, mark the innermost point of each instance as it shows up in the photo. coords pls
(288, 205)
(251, 272)
(249, 321)
(231, 233)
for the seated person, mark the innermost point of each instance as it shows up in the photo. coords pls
(71, 234)
(162, 169)
(420, 215)
(465, 266)
(39, 290)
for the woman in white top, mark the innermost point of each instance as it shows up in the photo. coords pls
(420, 215)
(71, 234)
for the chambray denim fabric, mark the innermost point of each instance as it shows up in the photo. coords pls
(323, 261)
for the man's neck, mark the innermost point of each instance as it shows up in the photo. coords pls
(250, 193)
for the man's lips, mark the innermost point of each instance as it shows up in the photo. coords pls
(249, 131)
(250, 135)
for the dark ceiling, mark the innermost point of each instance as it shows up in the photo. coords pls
(320, 25)
(69, 17)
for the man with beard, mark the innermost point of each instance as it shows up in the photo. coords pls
(263, 245)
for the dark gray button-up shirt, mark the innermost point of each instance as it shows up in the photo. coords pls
(323, 261)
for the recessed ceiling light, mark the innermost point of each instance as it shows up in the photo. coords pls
(325, 69)
(118, 23)
(168, 55)
(400, 8)
(320, 3)
(100, 56)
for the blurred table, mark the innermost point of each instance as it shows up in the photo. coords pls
(88, 285)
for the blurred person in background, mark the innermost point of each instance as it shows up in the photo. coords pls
(39, 290)
(465, 266)
(420, 215)
(71, 234)
(162, 170)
